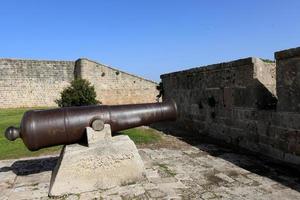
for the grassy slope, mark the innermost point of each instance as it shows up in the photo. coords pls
(16, 149)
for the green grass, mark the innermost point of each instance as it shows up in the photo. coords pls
(165, 168)
(142, 135)
(16, 149)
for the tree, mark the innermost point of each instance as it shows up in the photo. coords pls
(79, 93)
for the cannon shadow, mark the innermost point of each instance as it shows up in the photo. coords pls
(282, 173)
(31, 166)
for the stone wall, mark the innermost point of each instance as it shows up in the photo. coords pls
(288, 80)
(33, 83)
(114, 86)
(236, 103)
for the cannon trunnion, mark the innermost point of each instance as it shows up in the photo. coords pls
(45, 128)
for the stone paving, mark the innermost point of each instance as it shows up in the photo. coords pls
(203, 171)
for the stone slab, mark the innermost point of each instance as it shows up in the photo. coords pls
(107, 163)
(288, 53)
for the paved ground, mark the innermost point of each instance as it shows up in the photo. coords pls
(180, 171)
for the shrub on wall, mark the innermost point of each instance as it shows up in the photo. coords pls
(160, 89)
(79, 93)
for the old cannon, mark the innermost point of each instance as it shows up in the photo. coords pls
(45, 128)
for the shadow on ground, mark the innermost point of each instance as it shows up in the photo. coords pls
(264, 166)
(31, 166)
(258, 164)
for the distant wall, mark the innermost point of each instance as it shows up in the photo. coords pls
(33, 83)
(236, 102)
(114, 86)
(30, 83)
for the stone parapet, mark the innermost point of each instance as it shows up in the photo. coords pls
(248, 103)
(288, 80)
(114, 86)
(38, 83)
(289, 53)
(33, 83)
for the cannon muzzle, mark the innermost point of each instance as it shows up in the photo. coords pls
(45, 128)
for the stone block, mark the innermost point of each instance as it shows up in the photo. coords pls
(107, 162)
(288, 82)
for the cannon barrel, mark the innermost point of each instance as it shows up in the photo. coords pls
(45, 128)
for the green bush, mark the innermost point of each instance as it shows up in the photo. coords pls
(160, 89)
(79, 93)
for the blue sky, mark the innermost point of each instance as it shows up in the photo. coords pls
(148, 37)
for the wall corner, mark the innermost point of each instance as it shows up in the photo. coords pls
(288, 80)
(78, 68)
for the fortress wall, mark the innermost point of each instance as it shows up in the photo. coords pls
(114, 86)
(236, 103)
(288, 80)
(31, 83)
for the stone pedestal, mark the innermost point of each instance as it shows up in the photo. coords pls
(104, 163)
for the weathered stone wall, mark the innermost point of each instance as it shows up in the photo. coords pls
(33, 83)
(288, 80)
(114, 86)
(236, 102)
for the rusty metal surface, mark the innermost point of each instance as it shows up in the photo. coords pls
(45, 128)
